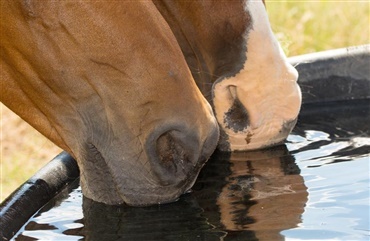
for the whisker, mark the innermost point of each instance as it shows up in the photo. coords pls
(309, 93)
(304, 62)
(197, 70)
(296, 64)
(308, 86)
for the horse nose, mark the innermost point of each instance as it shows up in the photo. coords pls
(177, 154)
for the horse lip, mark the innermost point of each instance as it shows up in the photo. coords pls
(159, 195)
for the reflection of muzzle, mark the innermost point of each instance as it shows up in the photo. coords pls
(264, 193)
(156, 223)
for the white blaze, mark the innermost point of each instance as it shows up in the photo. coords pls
(266, 87)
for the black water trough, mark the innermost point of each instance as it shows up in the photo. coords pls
(330, 76)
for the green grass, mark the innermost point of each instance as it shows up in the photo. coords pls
(301, 27)
(311, 26)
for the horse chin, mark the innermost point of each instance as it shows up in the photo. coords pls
(254, 139)
(113, 183)
(142, 195)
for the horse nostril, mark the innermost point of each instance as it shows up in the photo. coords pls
(176, 154)
(169, 152)
(173, 157)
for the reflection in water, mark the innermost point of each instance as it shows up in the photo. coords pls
(262, 195)
(181, 220)
(245, 196)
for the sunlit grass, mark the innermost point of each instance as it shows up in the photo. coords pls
(23, 151)
(311, 26)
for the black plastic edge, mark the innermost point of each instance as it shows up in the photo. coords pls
(24, 202)
(334, 75)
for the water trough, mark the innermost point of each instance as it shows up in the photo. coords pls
(334, 77)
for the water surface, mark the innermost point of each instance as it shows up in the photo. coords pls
(316, 187)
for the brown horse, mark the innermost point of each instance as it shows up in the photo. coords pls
(106, 81)
(240, 68)
(109, 82)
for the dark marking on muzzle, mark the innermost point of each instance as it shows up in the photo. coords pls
(248, 138)
(237, 118)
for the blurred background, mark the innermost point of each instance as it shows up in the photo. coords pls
(301, 26)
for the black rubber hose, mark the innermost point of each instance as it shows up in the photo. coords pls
(24, 202)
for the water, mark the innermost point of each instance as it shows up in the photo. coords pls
(316, 187)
